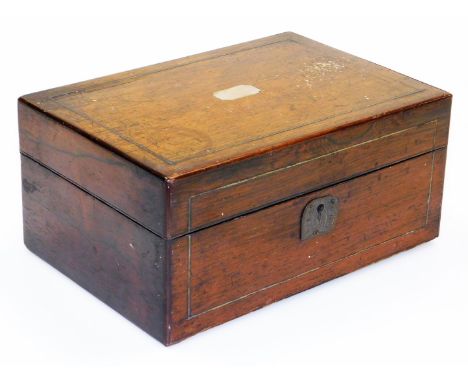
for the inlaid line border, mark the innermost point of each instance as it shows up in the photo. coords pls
(281, 169)
(204, 153)
(189, 252)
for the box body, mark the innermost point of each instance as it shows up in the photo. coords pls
(182, 209)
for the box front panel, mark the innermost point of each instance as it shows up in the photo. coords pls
(235, 267)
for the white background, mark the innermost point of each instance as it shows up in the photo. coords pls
(405, 318)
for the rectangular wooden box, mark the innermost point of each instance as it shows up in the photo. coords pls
(187, 193)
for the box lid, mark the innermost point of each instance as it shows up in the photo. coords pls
(172, 119)
(201, 113)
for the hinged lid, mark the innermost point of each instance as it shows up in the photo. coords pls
(221, 121)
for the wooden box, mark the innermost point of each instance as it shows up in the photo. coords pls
(188, 193)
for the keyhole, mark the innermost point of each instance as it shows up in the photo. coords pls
(319, 211)
(318, 217)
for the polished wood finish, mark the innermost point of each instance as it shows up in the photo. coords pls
(165, 121)
(215, 280)
(115, 259)
(238, 258)
(118, 182)
(182, 211)
(171, 208)
(166, 118)
(175, 288)
(215, 196)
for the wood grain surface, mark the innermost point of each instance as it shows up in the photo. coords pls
(233, 268)
(238, 258)
(175, 288)
(165, 117)
(171, 208)
(155, 144)
(115, 259)
(181, 209)
(219, 194)
(98, 171)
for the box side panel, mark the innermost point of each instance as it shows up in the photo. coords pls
(217, 195)
(97, 170)
(231, 269)
(115, 259)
